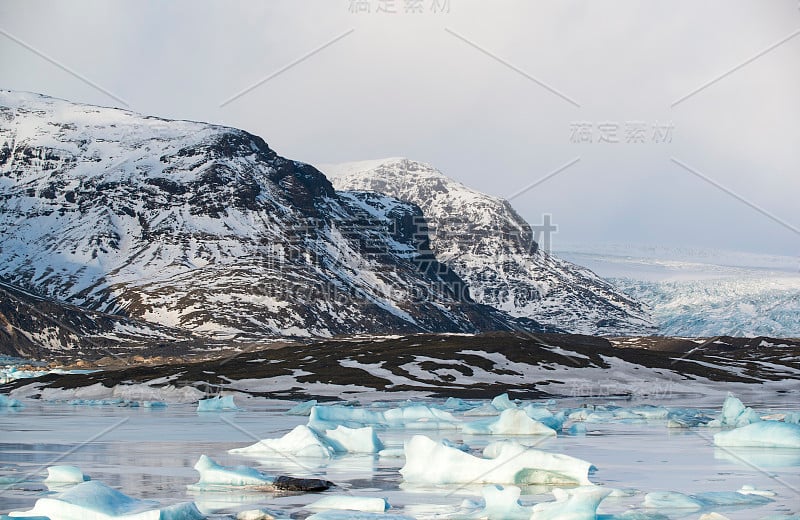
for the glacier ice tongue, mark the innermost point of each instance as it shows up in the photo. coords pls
(213, 474)
(97, 501)
(302, 441)
(764, 434)
(505, 462)
(512, 421)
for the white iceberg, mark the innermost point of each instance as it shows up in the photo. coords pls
(351, 503)
(502, 502)
(329, 417)
(512, 421)
(218, 403)
(571, 504)
(96, 501)
(354, 440)
(355, 515)
(302, 441)
(260, 514)
(213, 474)
(65, 475)
(505, 462)
(764, 434)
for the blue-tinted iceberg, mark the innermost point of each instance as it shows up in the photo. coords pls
(218, 403)
(96, 501)
(65, 475)
(734, 413)
(764, 434)
(354, 440)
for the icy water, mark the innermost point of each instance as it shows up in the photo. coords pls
(149, 453)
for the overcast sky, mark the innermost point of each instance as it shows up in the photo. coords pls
(496, 94)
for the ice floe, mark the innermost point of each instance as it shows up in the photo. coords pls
(504, 462)
(735, 413)
(354, 440)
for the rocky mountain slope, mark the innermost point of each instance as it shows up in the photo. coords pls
(206, 229)
(485, 241)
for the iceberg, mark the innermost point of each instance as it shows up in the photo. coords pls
(218, 403)
(260, 514)
(329, 417)
(504, 462)
(65, 475)
(764, 434)
(502, 502)
(213, 474)
(354, 440)
(351, 503)
(512, 421)
(94, 500)
(571, 504)
(735, 413)
(502, 402)
(302, 441)
(356, 515)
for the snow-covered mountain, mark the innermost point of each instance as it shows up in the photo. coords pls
(485, 241)
(206, 229)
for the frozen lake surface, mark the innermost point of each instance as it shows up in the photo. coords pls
(148, 453)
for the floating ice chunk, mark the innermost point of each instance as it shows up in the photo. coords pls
(391, 453)
(713, 516)
(578, 428)
(502, 402)
(8, 402)
(650, 412)
(734, 413)
(65, 475)
(354, 440)
(457, 405)
(749, 489)
(671, 500)
(791, 417)
(503, 502)
(302, 408)
(329, 417)
(351, 503)
(546, 417)
(512, 421)
(218, 403)
(213, 474)
(96, 501)
(260, 514)
(506, 462)
(571, 504)
(300, 442)
(421, 417)
(355, 515)
(766, 434)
